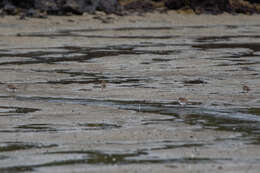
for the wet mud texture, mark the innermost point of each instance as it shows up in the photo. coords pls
(104, 98)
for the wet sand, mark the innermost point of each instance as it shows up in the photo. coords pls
(60, 120)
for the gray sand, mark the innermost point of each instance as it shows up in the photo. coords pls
(80, 128)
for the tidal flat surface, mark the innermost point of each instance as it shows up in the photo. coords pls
(61, 119)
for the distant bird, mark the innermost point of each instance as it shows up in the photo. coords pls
(103, 85)
(11, 87)
(22, 16)
(182, 101)
(246, 89)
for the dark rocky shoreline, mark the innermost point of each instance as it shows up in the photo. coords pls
(42, 8)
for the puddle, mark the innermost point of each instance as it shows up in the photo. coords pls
(252, 46)
(36, 128)
(220, 119)
(225, 123)
(50, 128)
(195, 81)
(55, 35)
(17, 169)
(27, 54)
(226, 38)
(255, 111)
(100, 157)
(161, 60)
(149, 145)
(80, 54)
(139, 157)
(112, 158)
(237, 64)
(15, 111)
(214, 39)
(158, 121)
(96, 79)
(119, 29)
(98, 126)
(14, 146)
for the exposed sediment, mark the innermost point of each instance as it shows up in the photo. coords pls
(60, 120)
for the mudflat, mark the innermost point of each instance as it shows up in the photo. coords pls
(99, 93)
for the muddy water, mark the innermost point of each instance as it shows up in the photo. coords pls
(59, 119)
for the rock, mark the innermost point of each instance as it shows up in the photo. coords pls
(81, 6)
(210, 6)
(34, 13)
(2, 13)
(144, 5)
(25, 4)
(215, 6)
(108, 6)
(175, 4)
(242, 7)
(62, 7)
(46, 5)
(194, 81)
(10, 9)
(254, 1)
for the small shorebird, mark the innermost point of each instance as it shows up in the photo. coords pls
(11, 87)
(246, 89)
(182, 101)
(103, 85)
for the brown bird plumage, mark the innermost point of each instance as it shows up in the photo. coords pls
(103, 85)
(11, 87)
(182, 101)
(246, 89)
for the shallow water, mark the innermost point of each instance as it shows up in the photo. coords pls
(149, 59)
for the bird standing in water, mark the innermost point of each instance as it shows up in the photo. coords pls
(182, 101)
(11, 87)
(246, 89)
(103, 85)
